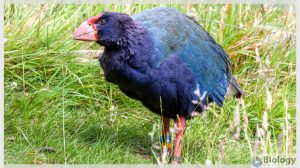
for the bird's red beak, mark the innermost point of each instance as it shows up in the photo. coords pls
(87, 30)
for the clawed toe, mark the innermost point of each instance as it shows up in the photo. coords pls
(175, 160)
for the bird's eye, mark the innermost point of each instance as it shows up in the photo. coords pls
(102, 21)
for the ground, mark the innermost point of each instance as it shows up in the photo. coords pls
(59, 108)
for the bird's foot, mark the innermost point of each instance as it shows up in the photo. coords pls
(175, 160)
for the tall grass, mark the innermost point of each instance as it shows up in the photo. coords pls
(59, 109)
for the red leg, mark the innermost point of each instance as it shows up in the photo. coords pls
(165, 140)
(166, 136)
(166, 126)
(180, 126)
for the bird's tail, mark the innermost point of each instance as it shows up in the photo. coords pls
(234, 89)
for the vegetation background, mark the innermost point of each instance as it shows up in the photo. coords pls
(59, 109)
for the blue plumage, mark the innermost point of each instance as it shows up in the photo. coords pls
(163, 58)
(166, 60)
(175, 33)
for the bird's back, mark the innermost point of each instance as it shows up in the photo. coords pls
(169, 28)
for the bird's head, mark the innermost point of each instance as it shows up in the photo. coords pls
(106, 29)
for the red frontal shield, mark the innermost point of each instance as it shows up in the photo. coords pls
(87, 30)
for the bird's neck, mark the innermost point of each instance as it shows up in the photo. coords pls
(135, 48)
(131, 62)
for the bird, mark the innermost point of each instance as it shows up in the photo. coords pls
(167, 61)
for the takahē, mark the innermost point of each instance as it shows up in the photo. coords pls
(164, 59)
